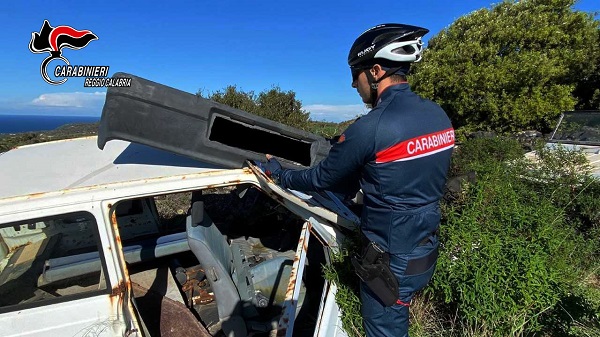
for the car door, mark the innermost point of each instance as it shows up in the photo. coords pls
(331, 220)
(58, 276)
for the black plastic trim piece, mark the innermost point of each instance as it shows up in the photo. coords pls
(156, 115)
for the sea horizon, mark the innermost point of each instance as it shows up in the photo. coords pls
(18, 123)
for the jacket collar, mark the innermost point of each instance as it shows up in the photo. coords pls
(391, 90)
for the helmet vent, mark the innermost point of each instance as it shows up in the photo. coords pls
(405, 50)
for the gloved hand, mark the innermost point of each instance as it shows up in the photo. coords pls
(271, 167)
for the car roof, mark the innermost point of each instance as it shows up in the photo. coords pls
(75, 163)
(63, 173)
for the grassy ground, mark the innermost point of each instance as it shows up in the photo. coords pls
(328, 130)
(9, 141)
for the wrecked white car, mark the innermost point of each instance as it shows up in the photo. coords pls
(577, 131)
(102, 237)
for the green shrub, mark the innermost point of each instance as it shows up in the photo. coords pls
(274, 104)
(341, 273)
(513, 246)
(519, 250)
(325, 129)
(479, 154)
(502, 265)
(569, 185)
(513, 66)
(10, 141)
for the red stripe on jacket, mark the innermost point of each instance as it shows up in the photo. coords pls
(417, 147)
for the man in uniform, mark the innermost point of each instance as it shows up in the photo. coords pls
(399, 155)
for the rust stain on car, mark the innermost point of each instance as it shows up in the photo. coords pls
(36, 195)
(115, 225)
(119, 289)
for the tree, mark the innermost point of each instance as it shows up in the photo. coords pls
(588, 89)
(511, 67)
(273, 104)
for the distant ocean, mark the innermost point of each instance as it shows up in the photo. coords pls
(25, 123)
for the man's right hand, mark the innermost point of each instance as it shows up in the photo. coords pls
(271, 167)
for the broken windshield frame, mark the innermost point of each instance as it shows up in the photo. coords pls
(578, 127)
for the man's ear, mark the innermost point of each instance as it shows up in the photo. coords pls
(377, 71)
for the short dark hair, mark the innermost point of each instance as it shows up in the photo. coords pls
(396, 78)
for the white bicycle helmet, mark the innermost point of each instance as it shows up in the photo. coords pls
(390, 43)
(393, 46)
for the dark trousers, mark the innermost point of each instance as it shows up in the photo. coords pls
(392, 321)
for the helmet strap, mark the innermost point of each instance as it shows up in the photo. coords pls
(374, 84)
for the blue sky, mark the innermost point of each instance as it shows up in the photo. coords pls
(207, 45)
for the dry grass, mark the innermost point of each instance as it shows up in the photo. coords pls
(428, 321)
(424, 321)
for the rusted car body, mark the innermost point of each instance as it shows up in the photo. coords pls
(163, 226)
(88, 248)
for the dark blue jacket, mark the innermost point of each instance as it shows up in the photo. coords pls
(400, 154)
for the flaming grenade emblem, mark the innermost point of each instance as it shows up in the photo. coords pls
(53, 40)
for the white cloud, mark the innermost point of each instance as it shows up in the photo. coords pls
(71, 100)
(335, 113)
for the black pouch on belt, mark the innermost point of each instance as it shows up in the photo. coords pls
(373, 268)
